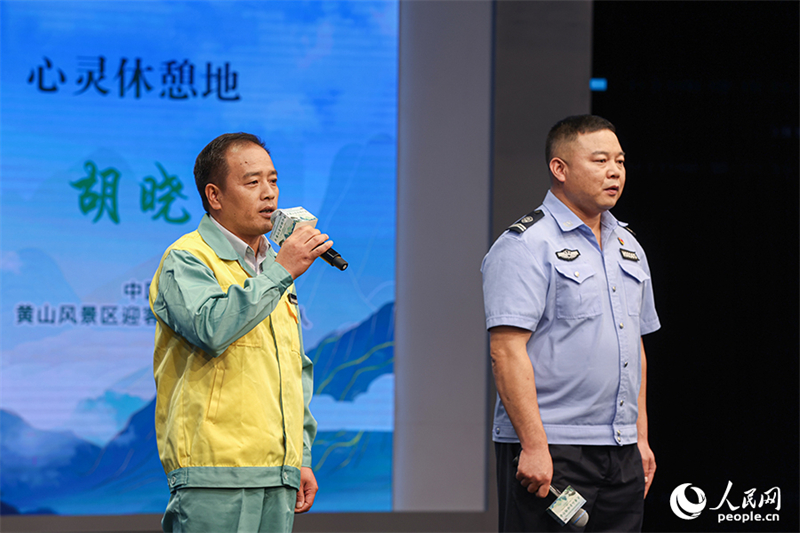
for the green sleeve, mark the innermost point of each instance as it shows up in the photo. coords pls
(191, 302)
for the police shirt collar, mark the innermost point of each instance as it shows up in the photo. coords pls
(610, 221)
(565, 218)
(568, 221)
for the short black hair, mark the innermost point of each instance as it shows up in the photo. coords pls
(568, 129)
(211, 165)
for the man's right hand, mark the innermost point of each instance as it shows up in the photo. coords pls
(301, 248)
(535, 470)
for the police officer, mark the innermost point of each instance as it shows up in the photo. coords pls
(568, 296)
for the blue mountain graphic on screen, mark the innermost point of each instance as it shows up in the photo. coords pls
(355, 467)
(349, 362)
(65, 475)
(49, 472)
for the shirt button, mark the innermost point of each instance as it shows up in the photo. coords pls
(621, 325)
(614, 288)
(285, 476)
(577, 274)
(619, 440)
(621, 403)
(619, 432)
(497, 431)
(626, 364)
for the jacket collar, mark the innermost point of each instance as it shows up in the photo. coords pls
(218, 242)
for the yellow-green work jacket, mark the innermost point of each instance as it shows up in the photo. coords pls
(233, 383)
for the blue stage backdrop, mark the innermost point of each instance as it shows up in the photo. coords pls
(105, 105)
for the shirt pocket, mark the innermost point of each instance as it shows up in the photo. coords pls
(577, 293)
(633, 279)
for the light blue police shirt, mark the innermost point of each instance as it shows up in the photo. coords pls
(587, 309)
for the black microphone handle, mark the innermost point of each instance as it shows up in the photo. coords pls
(333, 258)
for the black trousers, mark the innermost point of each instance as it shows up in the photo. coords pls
(610, 478)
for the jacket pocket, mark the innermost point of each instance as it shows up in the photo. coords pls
(216, 392)
(253, 338)
(577, 293)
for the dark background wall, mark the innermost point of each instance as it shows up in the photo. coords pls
(705, 98)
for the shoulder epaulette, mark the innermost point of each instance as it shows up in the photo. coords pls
(629, 229)
(527, 221)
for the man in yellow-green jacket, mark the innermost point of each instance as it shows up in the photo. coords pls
(233, 382)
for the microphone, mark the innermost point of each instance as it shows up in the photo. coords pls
(567, 508)
(285, 221)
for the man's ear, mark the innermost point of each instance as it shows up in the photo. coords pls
(558, 169)
(213, 196)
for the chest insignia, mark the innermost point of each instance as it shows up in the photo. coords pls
(527, 221)
(568, 255)
(629, 255)
(292, 298)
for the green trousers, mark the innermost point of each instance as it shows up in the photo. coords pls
(230, 510)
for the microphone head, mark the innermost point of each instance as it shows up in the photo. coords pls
(580, 519)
